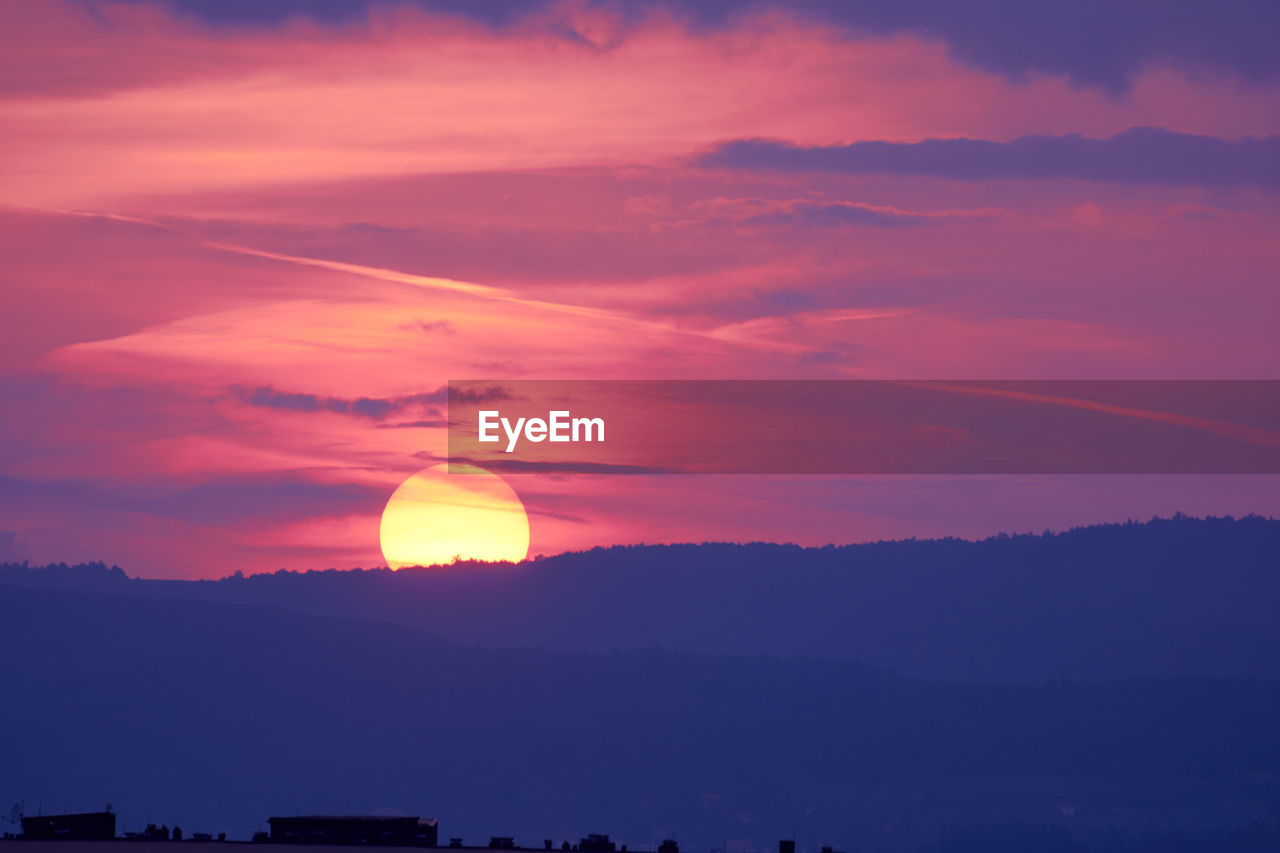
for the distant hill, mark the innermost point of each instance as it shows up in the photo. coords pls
(1181, 596)
(214, 716)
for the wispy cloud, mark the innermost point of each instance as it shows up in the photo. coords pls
(755, 212)
(444, 327)
(366, 407)
(1143, 155)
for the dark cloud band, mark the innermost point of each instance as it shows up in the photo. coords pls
(1100, 42)
(1140, 155)
(368, 407)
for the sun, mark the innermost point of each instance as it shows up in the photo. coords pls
(435, 517)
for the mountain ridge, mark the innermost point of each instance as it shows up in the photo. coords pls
(1178, 596)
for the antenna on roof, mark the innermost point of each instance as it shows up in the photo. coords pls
(15, 813)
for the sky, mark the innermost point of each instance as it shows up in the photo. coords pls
(243, 247)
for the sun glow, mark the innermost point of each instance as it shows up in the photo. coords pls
(435, 517)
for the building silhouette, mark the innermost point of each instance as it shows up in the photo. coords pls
(363, 829)
(88, 826)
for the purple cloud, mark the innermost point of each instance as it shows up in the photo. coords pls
(368, 407)
(1100, 42)
(1143, 155)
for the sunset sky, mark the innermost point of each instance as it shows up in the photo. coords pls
(243, 247)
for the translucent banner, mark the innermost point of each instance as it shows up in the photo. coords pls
(867, 426)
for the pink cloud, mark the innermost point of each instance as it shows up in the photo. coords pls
(158, 104)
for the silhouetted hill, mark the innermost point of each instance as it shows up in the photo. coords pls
(217, 715)
(1181, 596)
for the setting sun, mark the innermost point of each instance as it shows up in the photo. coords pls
(435, 517)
